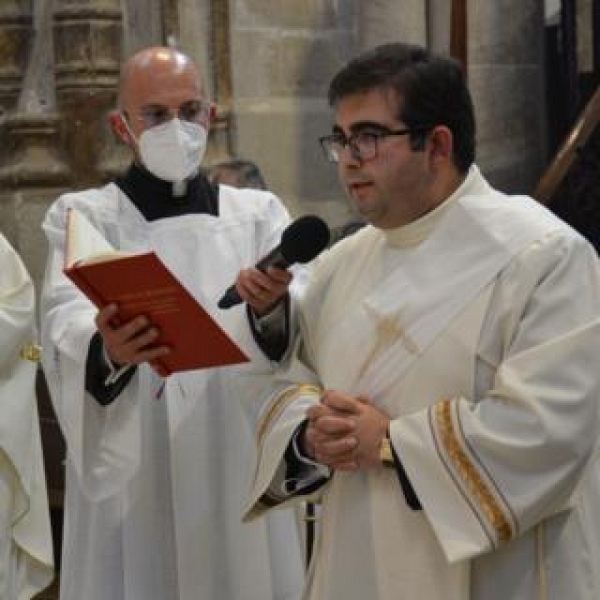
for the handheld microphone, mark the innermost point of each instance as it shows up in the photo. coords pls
(301, 241)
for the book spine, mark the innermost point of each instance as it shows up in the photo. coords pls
(68, 241)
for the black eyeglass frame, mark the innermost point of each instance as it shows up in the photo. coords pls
(192, 111)
(327, 142)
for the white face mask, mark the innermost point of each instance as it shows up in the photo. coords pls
(173, 150)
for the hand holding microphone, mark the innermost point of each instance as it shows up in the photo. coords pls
(301, 241)
(263, 291)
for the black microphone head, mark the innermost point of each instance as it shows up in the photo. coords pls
(304, 238)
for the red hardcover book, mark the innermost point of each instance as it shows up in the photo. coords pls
(141, 284)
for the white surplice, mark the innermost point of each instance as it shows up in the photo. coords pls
(156, 480)
(477, 329)
(26, 562)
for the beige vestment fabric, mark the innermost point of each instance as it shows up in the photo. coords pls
(477, 330)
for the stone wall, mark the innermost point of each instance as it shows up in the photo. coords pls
(506, 79)
(267, 65)
(279, 101)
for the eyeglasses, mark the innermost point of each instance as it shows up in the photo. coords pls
(363, 145)
(194, 111)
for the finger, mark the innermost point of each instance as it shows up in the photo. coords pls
(317, 411)
(334, 425)
(104, 316)
(256, 281)
(125, 342)
(259, 296)
(337, 449)
(271, 294)
(314, 436)
(119, 333)
(149, 355)
(279, 277)
(255, 291)
(143, 339)
(261, 290)
(269, 286)
(341, 403)
(138, 350)
(130, 330)
(245, 285)
(346, 465)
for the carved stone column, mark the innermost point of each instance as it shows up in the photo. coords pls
(220, 135)
(34, 158)
(202, 28)
(31, 170)
(31, 129)
(283, 55)
(506, 80)
(87, 45)
(16, 21)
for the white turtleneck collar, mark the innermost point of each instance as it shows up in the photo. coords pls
(412, 234)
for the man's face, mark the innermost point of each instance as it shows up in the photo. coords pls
(391, 188)
(165, 88)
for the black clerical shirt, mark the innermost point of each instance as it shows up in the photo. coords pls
(154, 197)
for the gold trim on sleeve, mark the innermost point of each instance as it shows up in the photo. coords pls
(284, 399)
(469, 475)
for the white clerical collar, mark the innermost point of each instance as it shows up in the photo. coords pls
(412, 234)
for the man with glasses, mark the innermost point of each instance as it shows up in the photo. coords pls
(157, 468)
(443, 393)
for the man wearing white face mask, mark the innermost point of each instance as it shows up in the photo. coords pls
(172, 149)
(156, 469)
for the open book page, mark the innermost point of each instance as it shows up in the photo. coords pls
(84, 243)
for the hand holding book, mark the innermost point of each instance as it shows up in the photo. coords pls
(154, 309)
(130, 343)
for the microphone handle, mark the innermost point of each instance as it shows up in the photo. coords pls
(230, 298)
(275, 258)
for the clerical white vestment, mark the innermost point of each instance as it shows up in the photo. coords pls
(26, 562)
(481, 341)
(156, 480)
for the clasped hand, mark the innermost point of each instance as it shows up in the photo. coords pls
(345, 432)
